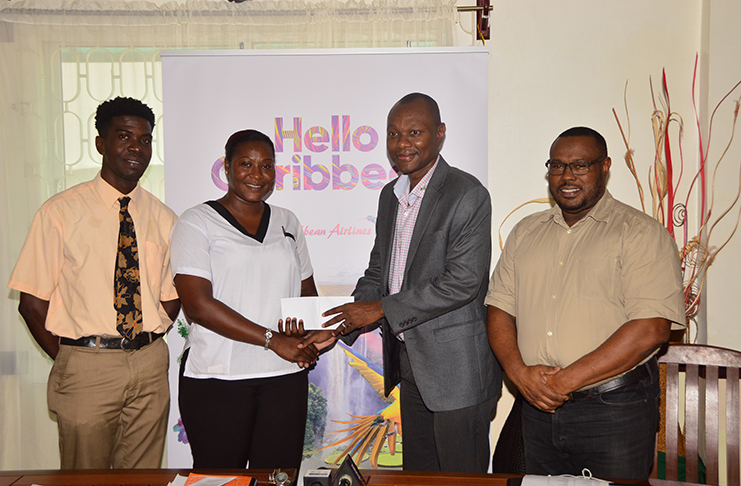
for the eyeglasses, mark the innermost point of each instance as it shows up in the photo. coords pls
(577, 168)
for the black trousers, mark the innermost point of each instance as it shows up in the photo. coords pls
(612, 434)
(259, 421)
(450, 441)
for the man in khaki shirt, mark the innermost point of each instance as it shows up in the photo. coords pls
(581, 298)
(110, 394)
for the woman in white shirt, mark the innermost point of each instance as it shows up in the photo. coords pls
(243, 384)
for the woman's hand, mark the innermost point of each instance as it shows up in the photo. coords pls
(287, 348)
(293, 327)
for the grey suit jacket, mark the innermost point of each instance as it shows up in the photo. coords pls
(440, 307)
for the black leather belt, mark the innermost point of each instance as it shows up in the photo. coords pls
(637, 374)
(141, 340)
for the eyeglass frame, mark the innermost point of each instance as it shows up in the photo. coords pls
(568, 166)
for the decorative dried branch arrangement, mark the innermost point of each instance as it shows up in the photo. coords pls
(665, 176)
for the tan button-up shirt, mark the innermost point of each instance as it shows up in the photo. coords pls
(571, 288)
(70, 253)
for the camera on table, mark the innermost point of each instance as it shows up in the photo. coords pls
(347, 474)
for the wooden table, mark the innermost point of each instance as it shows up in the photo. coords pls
(161, 477)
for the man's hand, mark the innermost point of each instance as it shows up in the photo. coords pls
(558, 383)
(533, 382)
(353, 316)
(320, 339)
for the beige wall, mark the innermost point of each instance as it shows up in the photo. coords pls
(559, 64)
(724, 60)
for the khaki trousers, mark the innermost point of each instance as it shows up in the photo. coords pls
(111, 406)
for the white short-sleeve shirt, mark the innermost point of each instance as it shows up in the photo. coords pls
(248, 273)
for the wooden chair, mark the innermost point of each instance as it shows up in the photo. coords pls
(712, 364)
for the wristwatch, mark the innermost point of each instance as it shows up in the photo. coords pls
(268, 336)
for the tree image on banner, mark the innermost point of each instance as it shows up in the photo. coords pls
(316, 419)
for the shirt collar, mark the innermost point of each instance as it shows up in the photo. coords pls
(401, 188)
(603, 209)
(600, 212)
(110, 195)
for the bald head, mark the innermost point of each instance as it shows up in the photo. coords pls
(429, 103)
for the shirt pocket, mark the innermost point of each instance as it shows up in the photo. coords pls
(152, 263)
(596, 277)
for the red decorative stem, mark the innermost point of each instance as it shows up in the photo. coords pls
(668, 156)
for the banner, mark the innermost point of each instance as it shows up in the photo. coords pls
(326, 113)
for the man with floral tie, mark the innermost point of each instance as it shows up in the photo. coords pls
(97, 295)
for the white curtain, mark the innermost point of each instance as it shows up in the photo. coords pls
(58, 61)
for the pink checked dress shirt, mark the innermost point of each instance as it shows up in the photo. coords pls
(406, 217)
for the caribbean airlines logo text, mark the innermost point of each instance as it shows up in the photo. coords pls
(316, 163)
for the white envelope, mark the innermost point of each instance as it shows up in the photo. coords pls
(309, 309)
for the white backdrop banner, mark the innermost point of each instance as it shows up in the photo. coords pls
(326, 113)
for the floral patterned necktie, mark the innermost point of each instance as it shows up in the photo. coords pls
(127, 287)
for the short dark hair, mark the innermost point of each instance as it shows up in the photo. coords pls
(586, 132)
(120, 107)
(427, 100)
(244, 136)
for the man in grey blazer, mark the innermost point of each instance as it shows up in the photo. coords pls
(426, 283)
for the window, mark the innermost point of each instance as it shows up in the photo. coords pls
(89, 76)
